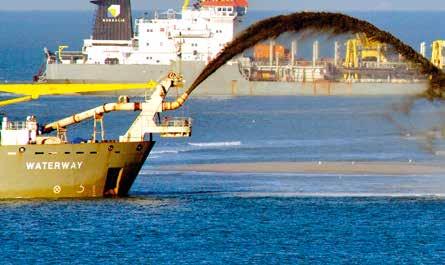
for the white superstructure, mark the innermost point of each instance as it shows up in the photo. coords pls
(196, 34)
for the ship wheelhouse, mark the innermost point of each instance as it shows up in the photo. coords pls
(238, 7)
(197, 34)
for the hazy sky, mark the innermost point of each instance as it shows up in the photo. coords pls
(289, 5)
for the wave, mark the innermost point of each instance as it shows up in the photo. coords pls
(192, 150)
(191, 147)
(160, 152)
(407, 195)
(325, 141)
(216, 144)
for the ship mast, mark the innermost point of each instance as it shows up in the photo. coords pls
(185, 5)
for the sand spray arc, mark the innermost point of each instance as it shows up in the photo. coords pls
(322, 22)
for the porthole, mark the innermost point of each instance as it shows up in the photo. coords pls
(139, 148)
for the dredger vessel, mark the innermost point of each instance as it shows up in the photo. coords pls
(41, 162)
(124, 50)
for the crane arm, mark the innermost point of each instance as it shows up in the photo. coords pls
(153, 106)
(79, 117)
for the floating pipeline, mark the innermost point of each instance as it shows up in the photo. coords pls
(323, 22)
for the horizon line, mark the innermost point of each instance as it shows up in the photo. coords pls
(254, 10)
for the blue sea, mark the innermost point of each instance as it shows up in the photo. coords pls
(176, 217)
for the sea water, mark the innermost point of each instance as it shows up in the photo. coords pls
(221, 218)
(218, 218)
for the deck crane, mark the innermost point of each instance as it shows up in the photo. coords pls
(146, 123)
(362, 49)
(88, 167)
(185, 5)
(437, 56)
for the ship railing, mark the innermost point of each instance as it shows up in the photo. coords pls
(187, 33)
(288, 67)
(386, 65)
(16, 125)
(169, 14)
(288, 63)
(175, 127)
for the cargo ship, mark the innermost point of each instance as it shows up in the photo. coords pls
(187, 41)
(42, 162)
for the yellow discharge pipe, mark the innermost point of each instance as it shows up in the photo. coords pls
(37, 90)
(15, 100)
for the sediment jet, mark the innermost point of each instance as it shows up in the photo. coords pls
(322, 22)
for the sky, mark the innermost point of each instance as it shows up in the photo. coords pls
(279, 5)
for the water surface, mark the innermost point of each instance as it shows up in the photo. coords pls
(209, 218)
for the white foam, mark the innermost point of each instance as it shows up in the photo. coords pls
(260, 194)
(216, 144)
(322, 142)
(160, 152)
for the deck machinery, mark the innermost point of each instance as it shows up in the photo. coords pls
(438, 53)
(38, 164)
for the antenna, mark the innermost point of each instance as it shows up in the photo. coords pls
(185, 5)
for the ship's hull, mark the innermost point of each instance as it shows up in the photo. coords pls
(227, 81)
(71, 170)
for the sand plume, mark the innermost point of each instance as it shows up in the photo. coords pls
(323, 22)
